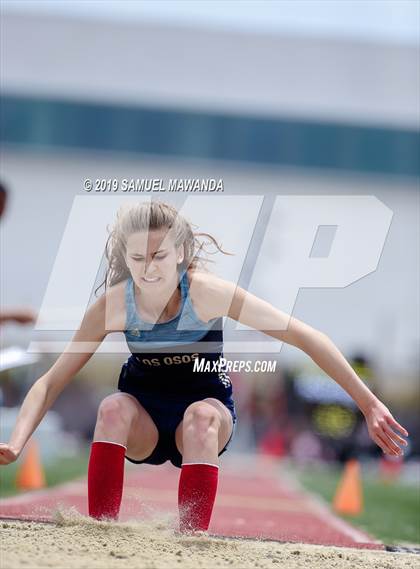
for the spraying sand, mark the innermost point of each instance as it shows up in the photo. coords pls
(75, 541)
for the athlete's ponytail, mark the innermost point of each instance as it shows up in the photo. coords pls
(149, 216)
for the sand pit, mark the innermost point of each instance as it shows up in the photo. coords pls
(75, 541)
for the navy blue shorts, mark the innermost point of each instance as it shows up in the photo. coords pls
(166, 397)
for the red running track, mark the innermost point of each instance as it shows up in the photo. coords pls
(254, 500)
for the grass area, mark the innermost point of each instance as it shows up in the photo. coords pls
(60, 470)
(391, 510)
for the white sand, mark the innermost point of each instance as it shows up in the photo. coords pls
(75, 541)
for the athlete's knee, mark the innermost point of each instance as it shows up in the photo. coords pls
(201, 418)
(114, 411)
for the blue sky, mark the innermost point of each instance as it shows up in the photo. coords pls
(383, 20)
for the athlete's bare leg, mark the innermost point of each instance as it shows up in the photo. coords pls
(122, 419)
(204, 431)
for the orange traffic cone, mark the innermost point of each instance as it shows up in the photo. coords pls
(348, 498)
(30, 475)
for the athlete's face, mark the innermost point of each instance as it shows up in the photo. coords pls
(152, 258)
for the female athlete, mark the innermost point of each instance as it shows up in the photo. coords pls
(170, 310)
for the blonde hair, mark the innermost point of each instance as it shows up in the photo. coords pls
(149, 216)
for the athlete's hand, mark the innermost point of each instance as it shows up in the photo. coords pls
(382, 426)
(8, 454)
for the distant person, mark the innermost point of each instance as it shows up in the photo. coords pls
(161, 299)
(18, 315)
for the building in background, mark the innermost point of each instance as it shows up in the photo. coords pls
(270, 111)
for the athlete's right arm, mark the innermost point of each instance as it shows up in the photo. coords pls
(46, 389)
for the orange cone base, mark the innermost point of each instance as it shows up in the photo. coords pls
(348, 498)
(31, 475)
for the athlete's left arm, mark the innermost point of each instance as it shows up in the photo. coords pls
(233, 301)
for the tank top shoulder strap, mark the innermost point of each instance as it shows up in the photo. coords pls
(130, 305)
(184, 286)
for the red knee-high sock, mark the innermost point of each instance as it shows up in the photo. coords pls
(105, 479)
(196, 495)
